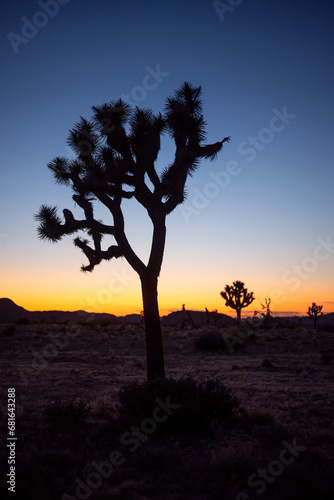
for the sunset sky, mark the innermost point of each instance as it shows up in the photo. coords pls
(261, 213)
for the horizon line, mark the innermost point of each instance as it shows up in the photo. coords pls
(244, 314)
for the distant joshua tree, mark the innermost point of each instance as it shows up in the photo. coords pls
(314, 312)
(188, 319)
(237, 297)
(266, 315)
(113, 164)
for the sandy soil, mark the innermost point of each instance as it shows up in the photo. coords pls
(283, 373)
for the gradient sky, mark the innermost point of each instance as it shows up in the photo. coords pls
(261, 213)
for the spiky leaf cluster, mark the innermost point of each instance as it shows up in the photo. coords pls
(115, 153)
(314, 312)
(237, 296)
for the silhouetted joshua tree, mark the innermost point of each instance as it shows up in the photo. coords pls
(188, 320)
(237, 296)
(267, 315)
(314, 312)
(113, 164)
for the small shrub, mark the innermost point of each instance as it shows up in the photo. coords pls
(152, 459)
(102, 407)
(210, 341)
(231, 462)
(66, 415)
(326, 327)
(9, 331)
(23, 321)
(326, 357)
(201, 404)
(257, 417)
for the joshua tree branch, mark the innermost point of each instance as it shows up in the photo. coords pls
(158, 245)
(96, 255)
(72, 225)
(153, 176)
(210, 151)
(121, 239)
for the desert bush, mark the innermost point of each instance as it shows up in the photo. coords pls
(256, 417)
(201, 404)
(231, 462)
(66, 415)
(153, 458)
(266, 363)
(23, 321)
(210, 341)
(9, 331)
(326, 327)
(102, 407)
(326, 357)
(230, 341)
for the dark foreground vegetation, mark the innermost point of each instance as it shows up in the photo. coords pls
(253, 420)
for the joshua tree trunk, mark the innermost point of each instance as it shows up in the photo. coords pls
(153, 334)
(149, 284)
(239, 315)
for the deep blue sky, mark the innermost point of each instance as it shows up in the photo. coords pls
(261, 59)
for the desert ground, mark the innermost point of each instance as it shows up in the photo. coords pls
(67, 379)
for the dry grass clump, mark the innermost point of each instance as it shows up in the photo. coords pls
(198, 406)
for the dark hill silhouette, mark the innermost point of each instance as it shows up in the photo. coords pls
(327, 318)
(12, 313)
(177, 318)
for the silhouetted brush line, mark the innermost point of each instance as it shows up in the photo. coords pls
(211, 315)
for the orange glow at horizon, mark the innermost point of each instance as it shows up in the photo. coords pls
(129, 301)
(116, 289)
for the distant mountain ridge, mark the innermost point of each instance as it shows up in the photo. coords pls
(11, 313)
